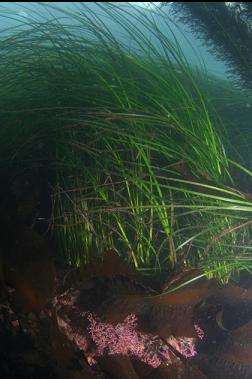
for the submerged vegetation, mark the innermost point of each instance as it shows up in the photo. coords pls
(126, 134)
(226, 29)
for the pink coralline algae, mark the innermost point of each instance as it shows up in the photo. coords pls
(199, 331)
(124, 338)
(184, 345)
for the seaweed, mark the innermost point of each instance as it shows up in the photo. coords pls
(226, 30)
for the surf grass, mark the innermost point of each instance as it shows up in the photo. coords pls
(127, 132)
